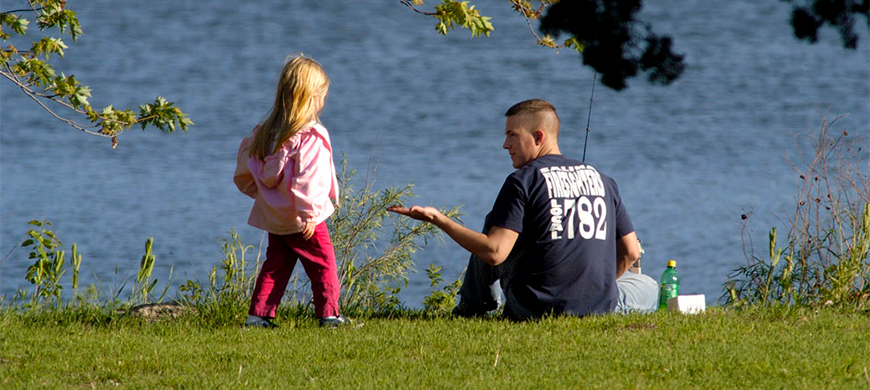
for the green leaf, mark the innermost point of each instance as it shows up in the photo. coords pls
(442, 28)
(58, 261)
(80, 97)
(107, 111)
(92, 114)
(15, 22)
(163, 115)
(574, 44)
(36, 71)
(69, 87)
(452, 12)
(48, 46)
(54, 15)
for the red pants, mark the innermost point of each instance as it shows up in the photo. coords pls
(318, 259)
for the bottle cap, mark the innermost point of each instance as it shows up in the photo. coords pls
(672, 263)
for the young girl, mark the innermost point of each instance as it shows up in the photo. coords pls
(286, 166)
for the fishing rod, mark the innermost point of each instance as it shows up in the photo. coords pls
(589, 116)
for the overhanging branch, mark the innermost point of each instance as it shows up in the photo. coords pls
(35, 96)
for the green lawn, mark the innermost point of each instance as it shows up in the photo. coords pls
(759, 348)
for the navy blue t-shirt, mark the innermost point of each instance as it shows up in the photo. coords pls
(569, 217)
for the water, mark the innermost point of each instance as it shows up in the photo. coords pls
(689, 158)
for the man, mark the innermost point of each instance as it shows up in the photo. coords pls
(557, 238)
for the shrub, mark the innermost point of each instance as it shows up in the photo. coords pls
(372, 269)
(825, 258)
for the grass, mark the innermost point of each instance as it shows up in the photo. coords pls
(775, 347)
(803, 322)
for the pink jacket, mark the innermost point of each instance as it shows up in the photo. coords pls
(292, 186)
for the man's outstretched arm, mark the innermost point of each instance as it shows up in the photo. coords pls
(493, 247)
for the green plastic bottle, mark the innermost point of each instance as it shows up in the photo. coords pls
(669, 286)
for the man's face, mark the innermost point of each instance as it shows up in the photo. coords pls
(519, 140)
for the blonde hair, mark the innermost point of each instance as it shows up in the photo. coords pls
(302, 82)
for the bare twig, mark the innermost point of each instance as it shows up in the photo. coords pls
(14, 247)
(532, 29)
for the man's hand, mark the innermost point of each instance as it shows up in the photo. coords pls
(493, 247)
(308, 230)
(425, 214)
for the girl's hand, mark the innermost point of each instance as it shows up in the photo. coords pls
(308, 230)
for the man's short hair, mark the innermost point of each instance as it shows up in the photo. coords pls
(531, 106)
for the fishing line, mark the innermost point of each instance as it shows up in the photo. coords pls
(589, 116)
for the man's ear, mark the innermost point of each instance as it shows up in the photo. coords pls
(539, 137)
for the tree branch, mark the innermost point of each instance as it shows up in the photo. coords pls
(408, 4)
(532, 29)
(67, 121)
(35, 96)
(22, 10)
(27, 89)
(538, 39)
(53, 98)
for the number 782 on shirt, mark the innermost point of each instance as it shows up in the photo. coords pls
(571, 216)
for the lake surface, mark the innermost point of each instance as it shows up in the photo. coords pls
(689, 158)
